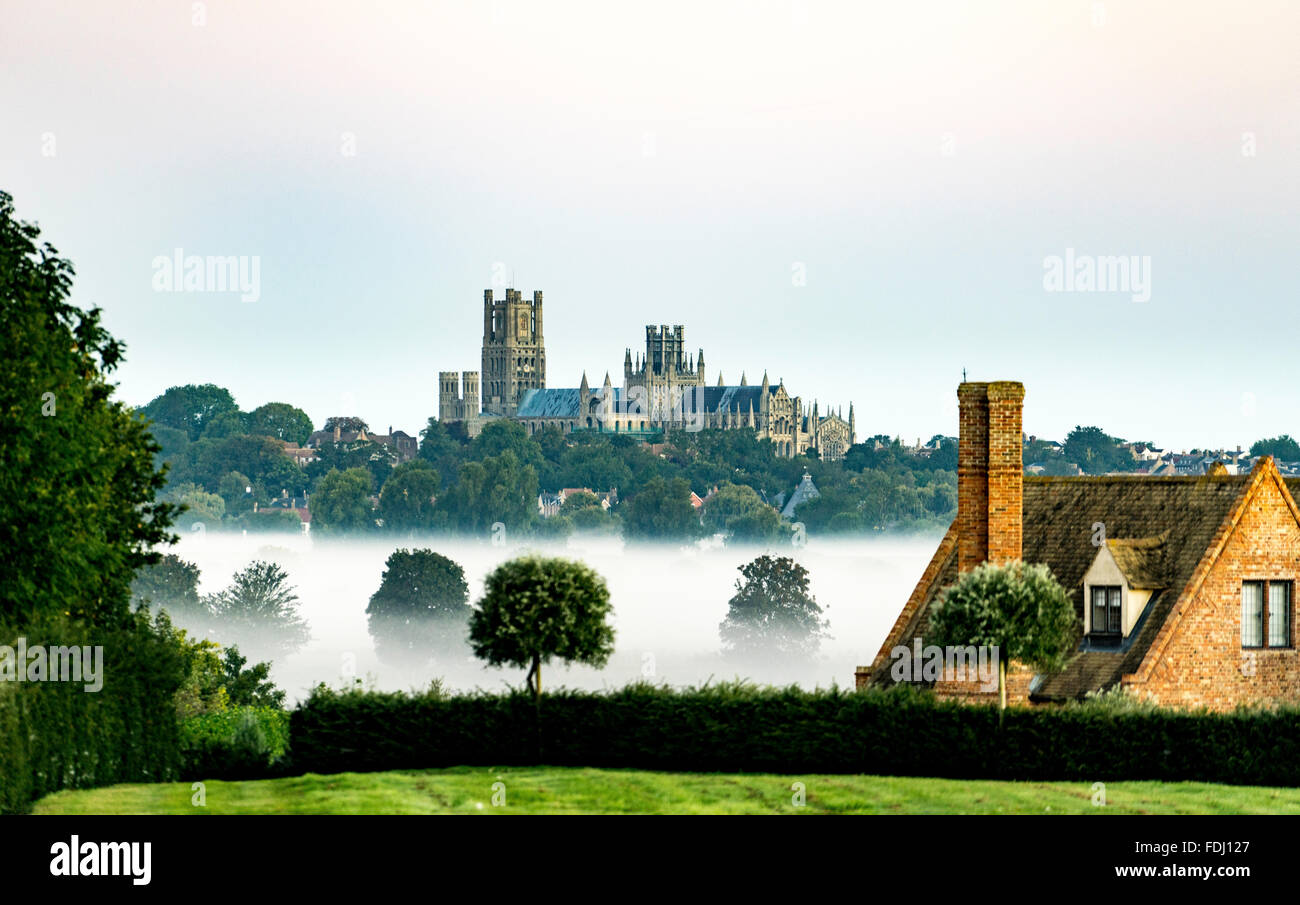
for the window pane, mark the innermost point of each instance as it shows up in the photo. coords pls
(1115, 610)
(1099, 609)
(1252, 614)
(1279, 614)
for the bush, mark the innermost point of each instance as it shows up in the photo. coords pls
(242, 743)
(900, 731)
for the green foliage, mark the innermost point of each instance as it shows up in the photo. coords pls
(1282, 448)
(406, 502)
(77, 477)
(259, 612)
(1097, 452)
(737, 511)
(197, 507)
(773, 613)
(240, 743)
(349, 423)
(535, 609)
(281, 421)
(171, 583)
(735, 727)
(1020, 609)
(498, 489)
(421, 608)
(56, 735)
(342, 501)
(191, 408)
(662, 511)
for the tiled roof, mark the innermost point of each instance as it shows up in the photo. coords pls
(1159, 528)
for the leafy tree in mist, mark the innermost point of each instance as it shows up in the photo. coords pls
(1021, 610)
(738, 511)
(407, 499)
(535, 609)
(259, 613)
(773, 613)
(171, 583)
(77, 476)
(661, 511)
(498, 489)
(421, 609)
(251, 687)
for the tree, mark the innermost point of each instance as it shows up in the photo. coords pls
(662, 511)
(191, 407)
(537, 608)
(1097, 452)
(171, 583)
(1018, 610)
(421, 608)
(226, 424)
(250, 687)
(342, 501)
(773, 612)
(237, 491)
(406, 502)
(77, 468)
(198, 507)
(345, 423)
(1282, 448)
(281, 421)
(738, 511)
(498, 489)
(259, 612)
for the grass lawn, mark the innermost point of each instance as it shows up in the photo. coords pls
(572, 790)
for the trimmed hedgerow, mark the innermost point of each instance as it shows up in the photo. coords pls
(57, 735)
(742, 728)
(240, 743)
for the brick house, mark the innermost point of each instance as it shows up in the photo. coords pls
(1183, 585)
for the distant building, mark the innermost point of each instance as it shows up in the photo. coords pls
(806, 490)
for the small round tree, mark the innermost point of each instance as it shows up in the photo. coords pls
(537, 608)
(420, 609)
(773, 612)
(1021, 610)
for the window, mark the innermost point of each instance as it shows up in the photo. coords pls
(1266, 614)
(1106, 611)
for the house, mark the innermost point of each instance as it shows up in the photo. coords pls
(1183, 584)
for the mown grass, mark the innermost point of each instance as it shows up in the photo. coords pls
(567, 790)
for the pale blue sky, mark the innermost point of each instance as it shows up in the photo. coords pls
(920, 161)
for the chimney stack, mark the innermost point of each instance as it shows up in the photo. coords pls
(990, 469)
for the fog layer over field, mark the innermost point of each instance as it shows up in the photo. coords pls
(667, 600)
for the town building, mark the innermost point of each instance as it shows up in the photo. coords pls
(1183, 585)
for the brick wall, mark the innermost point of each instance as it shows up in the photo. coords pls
(1202, 661)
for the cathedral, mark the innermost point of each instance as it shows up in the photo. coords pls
(663, 390)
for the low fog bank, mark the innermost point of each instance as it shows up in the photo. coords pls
(667, 600)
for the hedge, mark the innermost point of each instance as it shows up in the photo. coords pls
(740, 728)
(57, 735)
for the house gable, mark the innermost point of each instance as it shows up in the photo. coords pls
(1197, 657)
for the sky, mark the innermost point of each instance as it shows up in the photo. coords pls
(862, 199)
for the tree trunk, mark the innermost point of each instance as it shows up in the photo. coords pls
(537, 677)
(1002, 684)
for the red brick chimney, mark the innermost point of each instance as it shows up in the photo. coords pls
(990, 473)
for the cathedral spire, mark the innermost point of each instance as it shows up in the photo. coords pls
(743, 381)
(720, 383)
(585, 389)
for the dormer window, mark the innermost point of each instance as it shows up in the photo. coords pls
(1107, 610)
(1124, 578)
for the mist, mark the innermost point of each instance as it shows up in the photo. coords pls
(667, 600)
